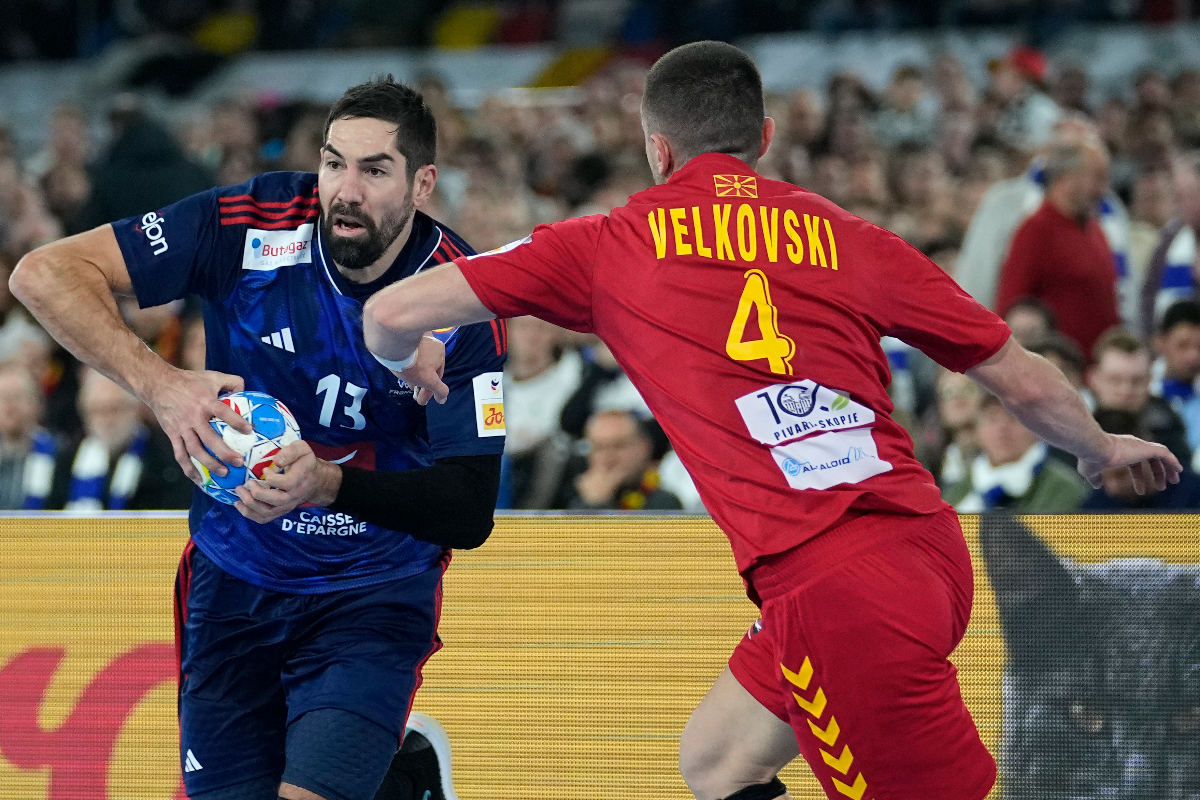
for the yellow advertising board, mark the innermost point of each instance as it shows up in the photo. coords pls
(575, 649)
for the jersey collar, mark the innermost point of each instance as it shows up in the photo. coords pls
(423, 240)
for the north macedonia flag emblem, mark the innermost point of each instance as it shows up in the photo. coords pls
(736, 185)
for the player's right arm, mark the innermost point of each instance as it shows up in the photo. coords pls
(71, 287)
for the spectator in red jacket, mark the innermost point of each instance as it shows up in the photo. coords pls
(1059, 255)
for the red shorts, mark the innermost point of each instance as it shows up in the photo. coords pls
(851, 651)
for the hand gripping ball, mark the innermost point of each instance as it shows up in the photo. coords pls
(274, 429)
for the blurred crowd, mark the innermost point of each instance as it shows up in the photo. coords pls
(1074, 219)
(58, 29)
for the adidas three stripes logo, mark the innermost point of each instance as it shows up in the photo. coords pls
(281, 339)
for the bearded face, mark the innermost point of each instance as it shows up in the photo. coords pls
(368, 197)
(355, 240)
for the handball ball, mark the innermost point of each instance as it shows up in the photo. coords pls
(274, 429)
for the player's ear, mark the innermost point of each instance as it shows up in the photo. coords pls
(424, 179)
(662, 156)
(768, 135)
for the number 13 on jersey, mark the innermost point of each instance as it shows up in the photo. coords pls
(772, 345)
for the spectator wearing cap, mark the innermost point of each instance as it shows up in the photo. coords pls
(1119, 379)
(620, 474)
(1059, 255)
(1014, 471)
(1178, 347)
(1116, 492)
(1027, 114)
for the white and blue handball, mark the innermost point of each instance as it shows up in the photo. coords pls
(274, 428)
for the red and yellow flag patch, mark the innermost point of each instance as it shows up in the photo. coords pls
(736, 185)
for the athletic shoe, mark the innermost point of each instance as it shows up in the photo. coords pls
(421, 769)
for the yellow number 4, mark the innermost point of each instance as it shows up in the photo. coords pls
(773, 345)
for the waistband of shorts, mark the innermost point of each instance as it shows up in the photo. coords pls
(784, 572)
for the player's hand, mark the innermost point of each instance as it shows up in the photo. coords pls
(184, 402)
(297, 477)
(425, 375)
(1147, 463)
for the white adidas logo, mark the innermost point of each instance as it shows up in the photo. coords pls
(281, 339)
(190, 764)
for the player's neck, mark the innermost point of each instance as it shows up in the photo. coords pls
(376, 270)
(661, 177)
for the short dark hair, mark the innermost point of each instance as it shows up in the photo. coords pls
(1065, 348)
(387, 99)
(1121, 340)
(706, 97)
(1037, 306)
(1184, 312)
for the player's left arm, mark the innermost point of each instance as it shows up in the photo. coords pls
(455, 500)
(549, 274)
(396, 319)
(1040, 397)
(911, 298)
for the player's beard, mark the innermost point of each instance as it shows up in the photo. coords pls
(364, 250)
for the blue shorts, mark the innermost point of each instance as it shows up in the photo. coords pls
(253, 660)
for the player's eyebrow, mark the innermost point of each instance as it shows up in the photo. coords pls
(371, 159)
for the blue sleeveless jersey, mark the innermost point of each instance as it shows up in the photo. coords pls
(279, 314)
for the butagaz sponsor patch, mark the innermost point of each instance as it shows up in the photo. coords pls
(268, 250)
(778, 414)
(489, 403)
(828, 459)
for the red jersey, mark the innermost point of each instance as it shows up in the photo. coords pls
(748, 313)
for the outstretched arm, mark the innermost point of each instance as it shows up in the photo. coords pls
(396, 318)
(548, 274)
(71, 287)
(1041, 398)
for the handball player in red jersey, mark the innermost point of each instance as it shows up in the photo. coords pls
(748, 312)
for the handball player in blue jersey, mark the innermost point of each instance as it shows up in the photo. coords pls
(305, 612)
